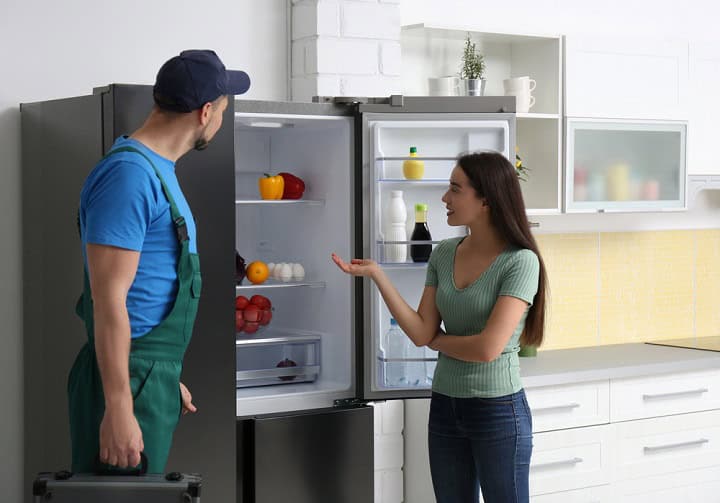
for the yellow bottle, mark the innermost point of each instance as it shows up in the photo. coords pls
(413, 169)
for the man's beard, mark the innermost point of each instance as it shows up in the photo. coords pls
(201, 144)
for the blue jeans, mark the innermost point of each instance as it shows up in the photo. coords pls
(485, 442)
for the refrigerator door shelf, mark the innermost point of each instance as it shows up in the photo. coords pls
(428, 182)
(385, 259)
(279, 284)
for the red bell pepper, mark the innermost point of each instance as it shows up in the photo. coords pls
(294, 186)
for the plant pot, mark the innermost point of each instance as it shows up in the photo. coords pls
(527, 351)
(474, 87)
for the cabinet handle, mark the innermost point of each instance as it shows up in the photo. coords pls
(692, 443)
(553, 408)
(675, 394)
(558, 464)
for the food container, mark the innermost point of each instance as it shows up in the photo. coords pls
(288, 359)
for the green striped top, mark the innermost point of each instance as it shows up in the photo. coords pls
(514, 272)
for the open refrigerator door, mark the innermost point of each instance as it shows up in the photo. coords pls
(394, 367)
(294, 330)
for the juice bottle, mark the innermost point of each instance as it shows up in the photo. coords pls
(420, 252)
(413, 169)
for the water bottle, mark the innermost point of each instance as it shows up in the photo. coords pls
(405, 366)
(395, 229)
(395, 354)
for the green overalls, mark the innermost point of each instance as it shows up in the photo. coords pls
(155, 365)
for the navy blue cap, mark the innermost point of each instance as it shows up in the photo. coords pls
(188, 81)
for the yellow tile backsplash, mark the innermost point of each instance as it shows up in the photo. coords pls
(617, 287)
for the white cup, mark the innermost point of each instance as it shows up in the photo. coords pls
(444, 86)
(519, 84)
(523, 102)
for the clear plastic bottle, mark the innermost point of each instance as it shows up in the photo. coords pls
(396, 229)
(405, 365)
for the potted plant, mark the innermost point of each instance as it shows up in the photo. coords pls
(473, 69)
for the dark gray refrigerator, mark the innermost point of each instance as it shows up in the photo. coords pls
(300, 431)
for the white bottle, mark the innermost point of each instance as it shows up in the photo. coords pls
(396, 229)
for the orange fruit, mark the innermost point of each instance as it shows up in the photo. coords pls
(257, 272)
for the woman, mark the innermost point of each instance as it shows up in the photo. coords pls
(488, 288)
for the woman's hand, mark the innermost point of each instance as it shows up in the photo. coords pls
(187, 405)
(357, 266)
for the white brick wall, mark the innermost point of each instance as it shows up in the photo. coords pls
(389, 448)
(345, 48)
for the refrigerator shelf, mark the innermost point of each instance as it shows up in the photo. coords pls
(279, 337)
(279, 284)
(416, 242)
(403, 265)
(292, 202)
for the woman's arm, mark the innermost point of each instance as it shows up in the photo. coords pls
(488, 344)
(421, 325)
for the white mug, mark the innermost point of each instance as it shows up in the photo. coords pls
(523, 102)
(517, 84)
(444, 86)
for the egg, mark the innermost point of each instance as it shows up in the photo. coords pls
(277, 269)
(271, 269)
(285, 272)
(298, 272)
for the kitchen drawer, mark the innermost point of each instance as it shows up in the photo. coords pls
(570, 459)
(600, 494)
(687, 486)
(666, 444)
(569, 406)
(663, 395)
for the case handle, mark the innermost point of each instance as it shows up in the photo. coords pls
(105, 469)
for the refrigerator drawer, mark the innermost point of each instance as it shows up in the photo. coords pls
(277, 360)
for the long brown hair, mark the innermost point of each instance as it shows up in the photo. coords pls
(494, 178)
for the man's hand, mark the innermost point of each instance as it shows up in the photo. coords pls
(121, 439)
(187, 405)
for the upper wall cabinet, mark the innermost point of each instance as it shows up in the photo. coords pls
(704, 109)
(626, 78)
(430, 51)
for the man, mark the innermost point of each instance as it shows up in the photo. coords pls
(142, 276)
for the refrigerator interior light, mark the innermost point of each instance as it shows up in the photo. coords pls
(269, 124)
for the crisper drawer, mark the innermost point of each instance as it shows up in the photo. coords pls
(569, 406)
(277, 360)
(570, 459)
(599, 494)
(667, 444)
(662, 395)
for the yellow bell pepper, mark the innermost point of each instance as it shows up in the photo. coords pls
(271, 187)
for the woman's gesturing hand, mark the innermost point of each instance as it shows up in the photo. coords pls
(357, 266)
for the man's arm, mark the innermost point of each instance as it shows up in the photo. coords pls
(112, 271)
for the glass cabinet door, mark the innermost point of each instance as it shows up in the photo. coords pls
(625, 166)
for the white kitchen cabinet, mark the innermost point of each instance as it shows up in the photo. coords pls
(687, 486)
(622, 77)
(599, 494)
(704, 109)
(569, 406)
(433, 50)
(571, 459)
(624, 165)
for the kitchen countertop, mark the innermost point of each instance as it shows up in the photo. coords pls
(567, 366)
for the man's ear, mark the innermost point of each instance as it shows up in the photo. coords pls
(204, 113)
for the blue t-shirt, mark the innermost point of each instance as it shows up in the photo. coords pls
(122, 204)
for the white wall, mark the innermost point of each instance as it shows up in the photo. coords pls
(59, 49)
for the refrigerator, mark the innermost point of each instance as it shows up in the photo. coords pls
(301, 430)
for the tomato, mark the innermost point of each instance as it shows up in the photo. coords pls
(266, 316)
(251, 327)
(252, 313)
(241, 302)
(239, 321)
(261, 301)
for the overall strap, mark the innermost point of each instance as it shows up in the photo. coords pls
(178, 219)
